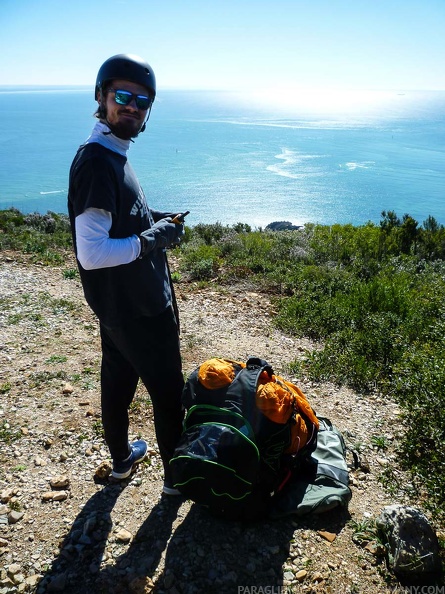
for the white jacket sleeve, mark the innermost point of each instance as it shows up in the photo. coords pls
(95, 247)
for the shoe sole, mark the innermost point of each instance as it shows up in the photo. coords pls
(170, 491)
(124, 475)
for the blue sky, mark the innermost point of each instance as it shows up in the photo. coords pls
(229, 44)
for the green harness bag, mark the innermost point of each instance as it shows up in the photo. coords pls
(320, 482)
(230, 457)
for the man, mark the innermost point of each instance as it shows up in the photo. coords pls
(120, 247)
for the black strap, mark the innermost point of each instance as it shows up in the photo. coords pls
(241, 393)
(174, 302)
(261, 364)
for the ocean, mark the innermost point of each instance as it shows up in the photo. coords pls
(307, 156)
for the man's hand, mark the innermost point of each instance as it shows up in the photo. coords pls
(163, 234)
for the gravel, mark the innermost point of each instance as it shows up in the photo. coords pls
(64, 529)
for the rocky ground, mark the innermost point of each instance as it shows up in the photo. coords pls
(64, 530)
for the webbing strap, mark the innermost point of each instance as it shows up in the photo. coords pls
(242, 391)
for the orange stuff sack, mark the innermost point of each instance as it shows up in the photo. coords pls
(217, 373)
(278, 400)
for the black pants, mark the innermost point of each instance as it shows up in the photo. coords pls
(145, 348)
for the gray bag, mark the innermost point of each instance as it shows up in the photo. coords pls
(320, 482)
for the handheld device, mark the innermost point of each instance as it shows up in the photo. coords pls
(179, 218)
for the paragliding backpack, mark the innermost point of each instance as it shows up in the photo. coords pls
(243, 430)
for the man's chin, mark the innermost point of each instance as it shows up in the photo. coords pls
(126, 131)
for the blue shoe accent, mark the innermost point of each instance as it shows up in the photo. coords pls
(122, 470)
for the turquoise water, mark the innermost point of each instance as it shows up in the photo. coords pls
(322, 156)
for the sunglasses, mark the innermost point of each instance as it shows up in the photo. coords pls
(125, 98)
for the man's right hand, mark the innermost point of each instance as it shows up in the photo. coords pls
(163, 234)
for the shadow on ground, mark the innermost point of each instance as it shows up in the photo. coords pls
(203, 554)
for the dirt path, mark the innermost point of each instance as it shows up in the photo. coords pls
(126, 538)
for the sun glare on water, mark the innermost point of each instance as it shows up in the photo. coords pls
(323, 101)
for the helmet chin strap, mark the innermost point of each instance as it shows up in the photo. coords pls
(144, 125)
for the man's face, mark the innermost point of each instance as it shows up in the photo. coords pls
(126, 120)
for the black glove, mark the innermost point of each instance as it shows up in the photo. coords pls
(163, 234)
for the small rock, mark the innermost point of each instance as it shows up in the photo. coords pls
(375, 549)
(103, 470)
(47, 496)
(18, 579)
(33, 580)
(317, 577)
(123, 536)
(13, 569)
(141, 585)
(7, 584)
(67, 389)
(59, 482)
(15, 516)
(329, 536)
(301, 575)
(364, 464)
(412, 545)
(288, 576)
(6, 495)
(60, 495)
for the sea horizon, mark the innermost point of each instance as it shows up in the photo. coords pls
(230, 157)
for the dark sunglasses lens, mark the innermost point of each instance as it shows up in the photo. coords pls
(123, 97)
(142, 102)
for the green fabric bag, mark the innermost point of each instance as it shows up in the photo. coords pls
(320, 482)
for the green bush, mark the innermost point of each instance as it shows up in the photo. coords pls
(419, 387)
(45, 237)
(372, 296)
(209, 233)
(200, 260)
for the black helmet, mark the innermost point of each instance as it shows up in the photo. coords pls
(127, 67)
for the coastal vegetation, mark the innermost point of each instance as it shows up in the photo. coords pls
(372, 297)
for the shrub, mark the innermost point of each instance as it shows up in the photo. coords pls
(209, 233)
(45, 237)
(418, 385)
(373, 296)
(200, 260)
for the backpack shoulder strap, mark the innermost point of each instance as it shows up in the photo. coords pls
(242, 391)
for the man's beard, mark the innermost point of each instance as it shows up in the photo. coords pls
(126, 129)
